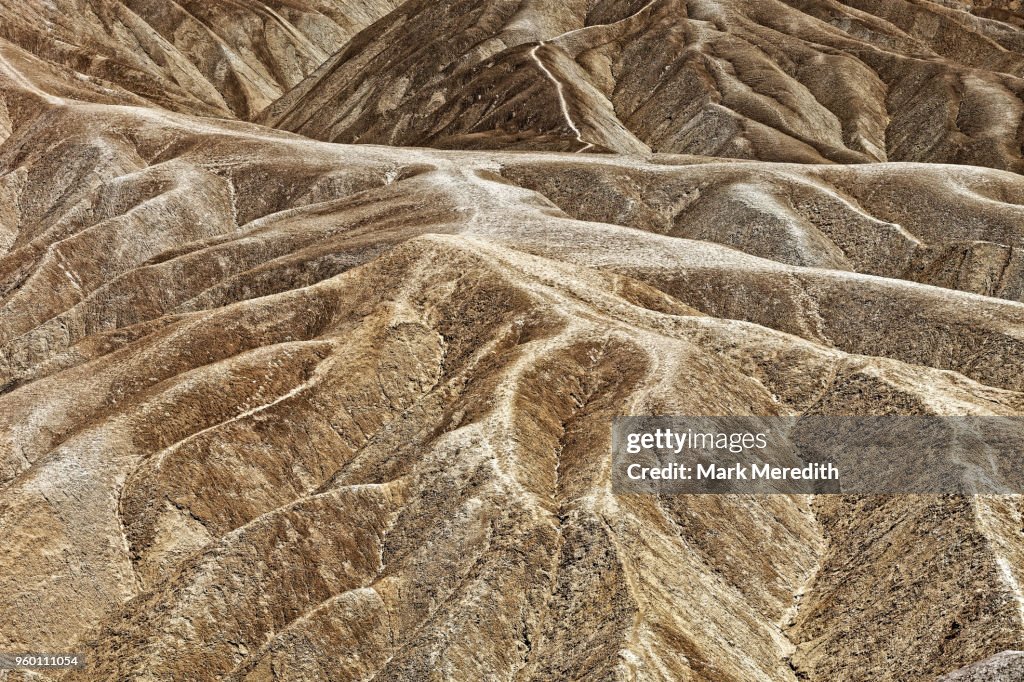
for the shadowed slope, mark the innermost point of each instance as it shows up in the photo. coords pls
(212, 57)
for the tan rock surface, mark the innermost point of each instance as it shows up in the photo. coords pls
(807, 81)
(1004, 667)
(211, 57)
(278, 409)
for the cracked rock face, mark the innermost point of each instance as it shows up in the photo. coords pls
(275, 408)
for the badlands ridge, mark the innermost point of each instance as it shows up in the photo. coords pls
(314, 316)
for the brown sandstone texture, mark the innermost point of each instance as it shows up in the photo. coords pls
(275, 406)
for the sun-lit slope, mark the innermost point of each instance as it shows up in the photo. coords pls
(451, 481)
(401, 461)
(212, 57)
(264, 399)
(803, 81)
(276, 409)
(232, 213)
(956, 227)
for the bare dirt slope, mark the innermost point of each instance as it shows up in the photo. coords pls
(273, 408)
(357, 396)
(803, 80)
(212, 57)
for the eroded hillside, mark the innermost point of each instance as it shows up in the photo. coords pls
(273, 408)
(211, 57)
(803, 81)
